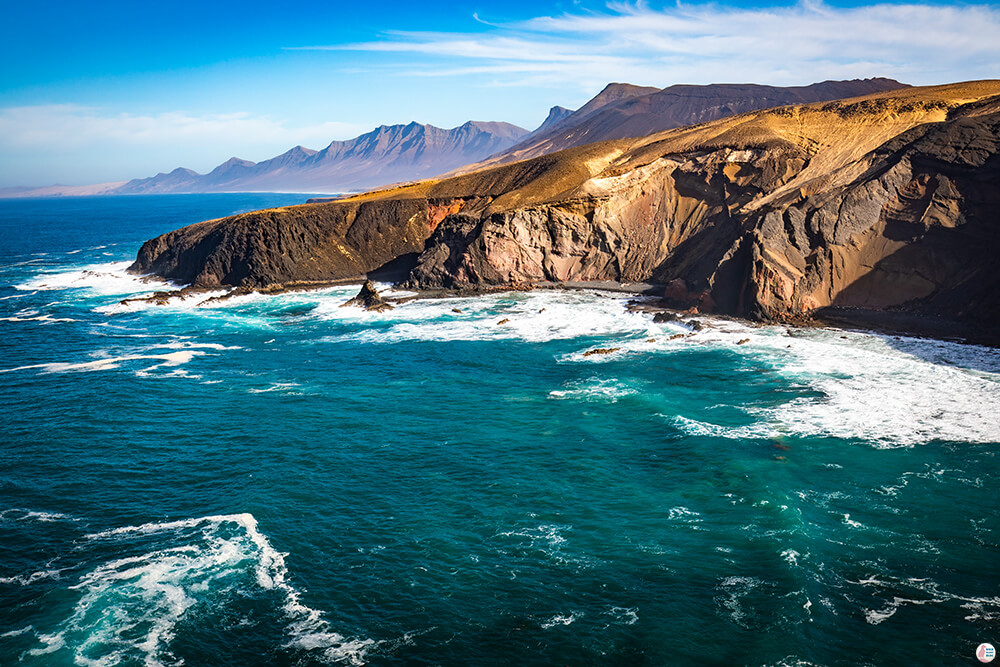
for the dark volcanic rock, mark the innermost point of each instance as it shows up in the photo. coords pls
(917, 232)
(369, 299)
(318, 242)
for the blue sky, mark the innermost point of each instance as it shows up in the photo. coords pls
(114, 90)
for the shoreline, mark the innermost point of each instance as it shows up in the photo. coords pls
(847, 319)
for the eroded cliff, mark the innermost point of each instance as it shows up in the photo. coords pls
(886, 202)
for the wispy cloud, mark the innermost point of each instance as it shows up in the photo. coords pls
(701, 43)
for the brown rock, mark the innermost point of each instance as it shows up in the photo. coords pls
(601, 350)
(369, 299)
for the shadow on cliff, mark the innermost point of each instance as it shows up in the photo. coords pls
(709, 253)
(395, 271)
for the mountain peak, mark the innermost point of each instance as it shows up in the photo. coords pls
(556, 114)
(236, 162)
(622, 110)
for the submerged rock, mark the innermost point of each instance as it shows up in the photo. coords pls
(601, 350)
(369, 299)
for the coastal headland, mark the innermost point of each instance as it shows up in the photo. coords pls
(885, 203)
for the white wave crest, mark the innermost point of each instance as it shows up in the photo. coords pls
(594, 389)
(285, 388)
(18, 514)
(101, 279)
(893, 393)
(746, 432)
(560, 619)
(916, 591)
(889, 391)
(29, 579)
(130, 606)
(624, 615)
(33, 316)
(534, 317)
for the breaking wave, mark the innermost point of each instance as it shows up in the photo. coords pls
(130, 607)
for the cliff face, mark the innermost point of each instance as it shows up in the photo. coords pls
(665, 217)
(917, 231)
(888, 202)
(771, 229)
(317, 243)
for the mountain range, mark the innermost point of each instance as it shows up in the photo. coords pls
(402, 153)
(387, 154)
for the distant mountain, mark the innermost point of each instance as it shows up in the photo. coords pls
(556, 114)
(622, 110)
(387, 154)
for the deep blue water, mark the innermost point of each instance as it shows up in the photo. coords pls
(282, 481)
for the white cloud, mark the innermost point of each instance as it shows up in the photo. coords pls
(78, 144)
(69, 126)
(702, 43)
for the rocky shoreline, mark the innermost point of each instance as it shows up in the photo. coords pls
(648, 299)
(884, 204)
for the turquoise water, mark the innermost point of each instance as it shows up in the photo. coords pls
(282, 481)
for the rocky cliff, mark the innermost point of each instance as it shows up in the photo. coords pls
(884, 202)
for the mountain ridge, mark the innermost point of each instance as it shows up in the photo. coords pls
(622, 111)
(387, 154)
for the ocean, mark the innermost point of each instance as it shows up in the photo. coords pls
(277, 480)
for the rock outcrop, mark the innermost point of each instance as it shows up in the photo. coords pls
(369, 299)
(916, 232)
(885, 202)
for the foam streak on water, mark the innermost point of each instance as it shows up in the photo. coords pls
(130, 607)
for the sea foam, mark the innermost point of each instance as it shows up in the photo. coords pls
(533, 317)
(129, 607)
(103, 279)
(109, 363)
